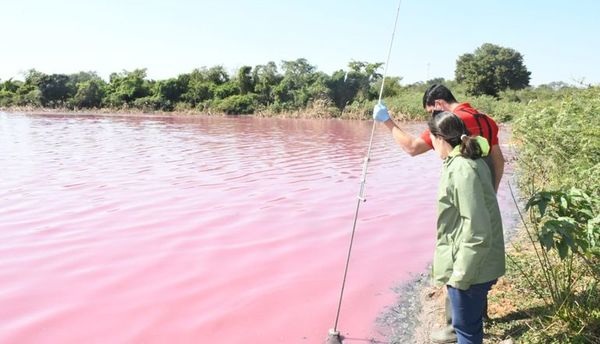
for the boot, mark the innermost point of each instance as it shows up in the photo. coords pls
(446, 334)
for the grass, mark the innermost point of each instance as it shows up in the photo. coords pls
(558, 149)
(517, 311)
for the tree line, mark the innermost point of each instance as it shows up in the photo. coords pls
(293, 85)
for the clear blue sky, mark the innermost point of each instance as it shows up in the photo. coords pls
(559, 39)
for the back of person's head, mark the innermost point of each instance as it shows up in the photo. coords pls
(435, 92)
(452, 129)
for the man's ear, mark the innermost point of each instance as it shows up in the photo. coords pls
(443, 104)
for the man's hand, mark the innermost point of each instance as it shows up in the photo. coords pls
(380, 113)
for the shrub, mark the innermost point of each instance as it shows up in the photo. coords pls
(89, 94)
(6, 98)
(237, 104)
(559, 169)
(152, 103)
(559, 145)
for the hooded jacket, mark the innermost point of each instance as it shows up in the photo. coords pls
(470, 242)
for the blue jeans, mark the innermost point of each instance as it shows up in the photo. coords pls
(467, 311)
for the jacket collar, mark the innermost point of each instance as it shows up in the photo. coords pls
(483, 143)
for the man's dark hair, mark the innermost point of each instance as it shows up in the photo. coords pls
(435, 92)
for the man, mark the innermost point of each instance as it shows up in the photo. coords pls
(437, 99)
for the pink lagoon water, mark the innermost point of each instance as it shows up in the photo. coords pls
(204, 229)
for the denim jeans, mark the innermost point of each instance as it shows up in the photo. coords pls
(467, 311)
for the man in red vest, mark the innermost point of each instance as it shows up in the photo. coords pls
(437, 99)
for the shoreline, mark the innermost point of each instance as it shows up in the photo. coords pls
(308, 113)
(154, 113)
(413, 316)
(104, 112)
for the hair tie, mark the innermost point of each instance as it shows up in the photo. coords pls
(463, 137)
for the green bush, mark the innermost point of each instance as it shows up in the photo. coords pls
(560, 142)
(559, 168)
(237, 104)
(6, 98)
(89, 94)
(408, 105)
(152, 103)
(501, 110)
(33, 97)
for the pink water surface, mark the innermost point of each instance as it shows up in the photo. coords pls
(204, 229)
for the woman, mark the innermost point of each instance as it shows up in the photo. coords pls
(469, 254)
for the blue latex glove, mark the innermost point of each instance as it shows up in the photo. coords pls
(380, 112)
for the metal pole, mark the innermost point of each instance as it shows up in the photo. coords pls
(363, 180)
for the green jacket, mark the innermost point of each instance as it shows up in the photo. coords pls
(470, 243)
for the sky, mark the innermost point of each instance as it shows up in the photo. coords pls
(559, 40)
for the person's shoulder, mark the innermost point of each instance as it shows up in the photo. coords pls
(460, 170)
(466, 109)
(463, 170)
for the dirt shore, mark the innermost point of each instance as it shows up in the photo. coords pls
(308, 113)
(417, 312)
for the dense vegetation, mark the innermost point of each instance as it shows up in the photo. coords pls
(293, 86)
(261, 88)
(554, 270)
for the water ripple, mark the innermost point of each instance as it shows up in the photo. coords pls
(197, 229)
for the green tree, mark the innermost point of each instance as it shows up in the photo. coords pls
(198, 87)
(367, 69)
(11, 85)
(342, 89)
(245, 80)
(216, 75)
(364, 75)
(125, 87)
(8, 92)
(360, 83)
(80, 77)
(266, 78)
(89, 94)
(391, 87)
(318, 88)
(293, 90)
(28, 94)
(170, 89)
(228, 89)
(33, 77)
(56, 89)
(205, 84)
(492, 69)
(53, 90)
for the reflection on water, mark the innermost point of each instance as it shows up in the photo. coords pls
(203, 229)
